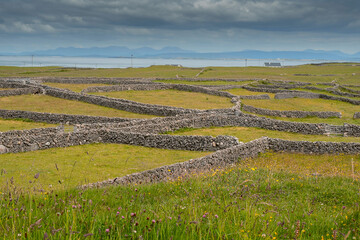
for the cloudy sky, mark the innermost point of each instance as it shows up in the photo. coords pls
(199, 25)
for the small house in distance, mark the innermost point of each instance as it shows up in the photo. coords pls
(272, 64)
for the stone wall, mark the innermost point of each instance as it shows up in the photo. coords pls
(230, 156)
(349, 89)
(290, 114)
(23, 141)
(356, 115)
(126, 87)
(18, 91)
(59, 118)
(285, 95)
(210, 162)
(259, 97)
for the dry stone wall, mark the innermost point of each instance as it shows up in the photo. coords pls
(19, 91)
(356, 115)
(59, 118)
(23, 141)
(290, 114)
(230, 156)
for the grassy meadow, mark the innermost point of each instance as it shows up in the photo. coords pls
(272, 196)
(21, 124)
(275, 196)
(44, 103)
(64, 168)
(174, 98)
(247, 134)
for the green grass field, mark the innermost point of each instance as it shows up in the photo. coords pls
(20, 124)
(275, 196)
(43, 103)
(74, 166)
(172, 98)
(246, 134)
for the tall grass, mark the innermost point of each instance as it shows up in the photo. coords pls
(247, 201)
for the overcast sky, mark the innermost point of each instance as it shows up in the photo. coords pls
(199, 25)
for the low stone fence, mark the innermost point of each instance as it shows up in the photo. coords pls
(314, 95)
(24, 141)
(356, 115)
(228, 157)
(259, 97)
(59, 118)
(290, 114)
(349, 89)
(18, 91)
(279, 145)
(285, 95)
(126, 87)
(221, 158)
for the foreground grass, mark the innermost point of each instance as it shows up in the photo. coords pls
(19, 124)
(72, 166)
(301, 104)
(172, 98)
(43, 103)
(246, 134)
(73, 87)
(248, 201)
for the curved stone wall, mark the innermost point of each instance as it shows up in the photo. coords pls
(19, 91)
(290, 114)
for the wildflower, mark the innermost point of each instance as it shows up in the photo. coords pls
(117, 213)
(153, 221)
(133, 214)
(107, 230)
(122, 217)
(216, 216)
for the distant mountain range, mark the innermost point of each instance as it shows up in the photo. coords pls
(175, 52)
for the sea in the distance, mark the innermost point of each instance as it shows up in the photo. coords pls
(100, 62)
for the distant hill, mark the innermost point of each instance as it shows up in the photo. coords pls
(175, 52)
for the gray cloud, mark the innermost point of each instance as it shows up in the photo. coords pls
(162, 20)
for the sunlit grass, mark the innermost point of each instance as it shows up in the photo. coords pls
(73, 87)
(43, 103)
(9, 125)
(308, 165)
(246, 134)
(172, 98)
(77, 165)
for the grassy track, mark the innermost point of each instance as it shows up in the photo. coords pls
(245, 134)
(78, 165)
(173, 98)
(43, 103)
